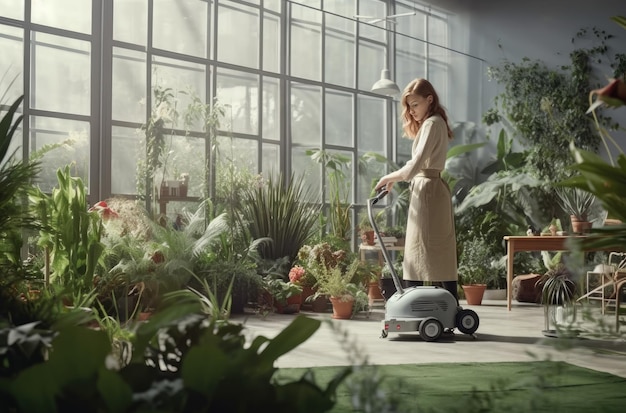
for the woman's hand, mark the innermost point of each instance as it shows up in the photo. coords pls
(385, 181)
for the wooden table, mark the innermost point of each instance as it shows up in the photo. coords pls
(531, 243)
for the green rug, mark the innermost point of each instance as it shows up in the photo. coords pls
(541, 386)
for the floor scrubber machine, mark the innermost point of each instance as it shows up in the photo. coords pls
(426, 309)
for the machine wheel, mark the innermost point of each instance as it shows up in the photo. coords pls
(383, 334)
(430, 329)
(467, 321)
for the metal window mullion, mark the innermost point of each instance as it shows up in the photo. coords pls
(149, 183)
(285, 104)
(26, 80)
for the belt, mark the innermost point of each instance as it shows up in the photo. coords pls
(429, 173)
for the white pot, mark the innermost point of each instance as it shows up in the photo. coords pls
(499, 294)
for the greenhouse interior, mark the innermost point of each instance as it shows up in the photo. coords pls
(190, 190)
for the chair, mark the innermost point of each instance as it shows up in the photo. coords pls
(611, 285)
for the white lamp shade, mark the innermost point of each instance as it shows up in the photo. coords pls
(385, 86)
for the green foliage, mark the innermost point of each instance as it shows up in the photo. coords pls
(16, 178)
(280, 290)
(575, 201)
(284, 213)
(71, 234)
(558, 288)
(547, 108)
(607, 183)
(334, 281)
(475, 262)
(213, 366)
(335, 166)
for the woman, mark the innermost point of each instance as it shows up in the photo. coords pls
(430, 249)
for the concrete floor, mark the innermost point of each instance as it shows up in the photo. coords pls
(503, 335)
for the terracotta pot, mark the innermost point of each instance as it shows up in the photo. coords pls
(144, 315)
(374, 292)
(580, 226)
(291, 306)
(474, 293)
(367, 237)
(342, 310)
(401, 242)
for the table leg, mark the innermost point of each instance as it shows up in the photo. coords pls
(509, 274)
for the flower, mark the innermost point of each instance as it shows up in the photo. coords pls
(612, 95)
(103, 209)
(296, 273)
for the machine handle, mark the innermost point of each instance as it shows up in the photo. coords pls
(382, 192)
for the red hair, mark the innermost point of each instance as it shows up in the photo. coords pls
(423, 88)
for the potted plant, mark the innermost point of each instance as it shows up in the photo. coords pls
(286, 295)
(577, 203)
(335, 282)
(475, 269)
(366, 232)
(558, 296)
(310, 257)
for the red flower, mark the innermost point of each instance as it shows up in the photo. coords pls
(104, 210)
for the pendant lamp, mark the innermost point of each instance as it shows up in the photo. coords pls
(386, 86)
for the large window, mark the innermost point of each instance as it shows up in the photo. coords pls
(263, 81)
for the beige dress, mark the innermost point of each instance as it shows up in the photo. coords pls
(430, 249)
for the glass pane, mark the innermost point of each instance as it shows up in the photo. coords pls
(306, 43)
(12, 46)
(186, 155)
(412, 26)
(306, 114)
(311, 171)
(439, 79)
(271, 43)
(371, 113)
(130, 21)
(55, 58)
(274, 5)
(271, 109)
(410, 64)
(236, 167)
(186, 83)
(371, 27)
(72, 15)
(311, 3)
(368, 175)
(13, 9)
(438, 31)
(233, 45)
(371, 63)
(126, 149)
(271, 160)
(181, 26)
(239, 93)
(129, 85)
(339, 120)
(72, 139)
(342, 8)
(343, 185)
(339, 53)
